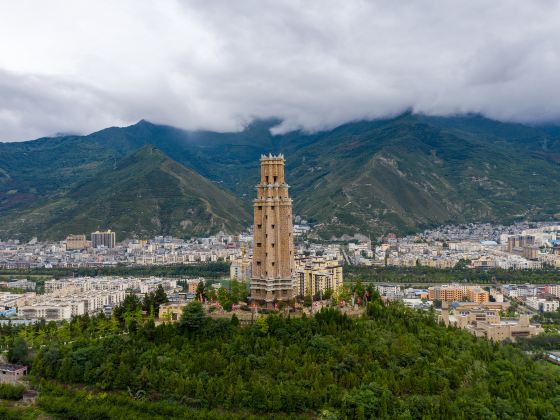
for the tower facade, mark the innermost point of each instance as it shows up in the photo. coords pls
(273, 242)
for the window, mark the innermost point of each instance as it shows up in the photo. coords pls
(273, 263)
(267, 179)
(271, 245)
(275, 179)
(259, 226)
(258, 263)
(258, 244)
(272, 226)
(259, 207)
(271, 207)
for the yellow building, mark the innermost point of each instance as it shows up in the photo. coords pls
(458, 292)
(74, 242)
(316, 275)
(240, 268)
(484, 322)
(445, 293)
(478, 295)
(171, 312)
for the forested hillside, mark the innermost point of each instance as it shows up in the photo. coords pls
(394, 363)
(145, 194)
(400, 174)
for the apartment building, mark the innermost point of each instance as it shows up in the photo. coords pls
(458, 292)
(315, 275)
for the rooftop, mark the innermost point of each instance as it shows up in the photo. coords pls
(11, 368)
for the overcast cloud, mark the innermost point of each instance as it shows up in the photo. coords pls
(79, 66)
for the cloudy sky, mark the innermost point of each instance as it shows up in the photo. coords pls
(79, 66)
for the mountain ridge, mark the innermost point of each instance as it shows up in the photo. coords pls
(145, 194)
(370, 177)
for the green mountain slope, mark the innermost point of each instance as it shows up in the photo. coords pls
(370, 177)
(411, 173)
(143, 195)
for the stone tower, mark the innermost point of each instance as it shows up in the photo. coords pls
(273, 242)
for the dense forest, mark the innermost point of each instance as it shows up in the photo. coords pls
(427, 275)
(210, 270)
(393, 362)
(220, 269)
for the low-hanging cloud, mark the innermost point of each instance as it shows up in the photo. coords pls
(81, 66)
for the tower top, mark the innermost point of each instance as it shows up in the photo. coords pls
(272, 157)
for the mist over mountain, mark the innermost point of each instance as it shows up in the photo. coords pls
(370, 177)
(195, 66)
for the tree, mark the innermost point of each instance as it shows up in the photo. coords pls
(200, 290)
(160, 295)
(263, 325)
(462, 264)
(327, 294)
(19, 352)
(359, 288)
(153, 300)
(192, 318)
(131, 303)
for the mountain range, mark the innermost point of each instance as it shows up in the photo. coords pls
(370, 177)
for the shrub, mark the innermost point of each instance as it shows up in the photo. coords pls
(11, 392)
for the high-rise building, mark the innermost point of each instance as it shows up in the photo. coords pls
(315, 275)
(272, 274)
(240, 268)
(106, 239)
(74, 242)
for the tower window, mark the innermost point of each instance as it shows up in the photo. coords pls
(267, 179)
(258, 244)
(259, 226)
(275, 179)
(270, 244)
(273, 264)
(259, 207)
(271, 207)
(258, 263)
(272, 226)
